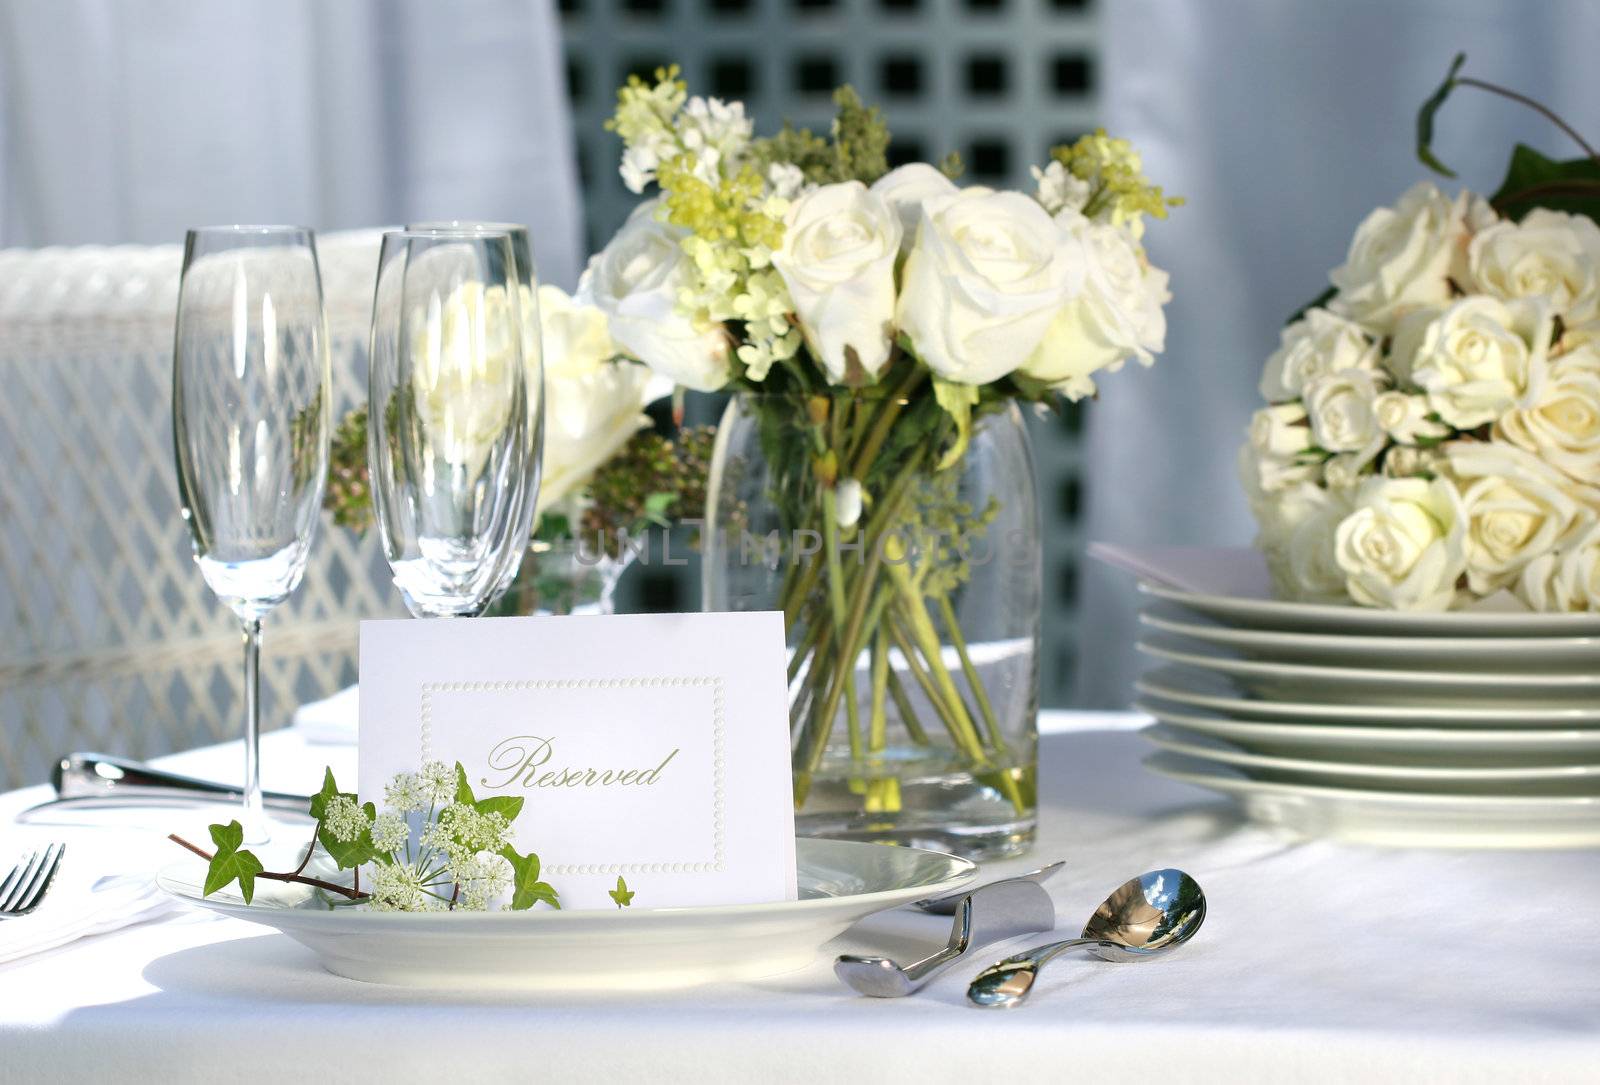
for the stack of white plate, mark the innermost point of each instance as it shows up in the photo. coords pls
(1466, 728)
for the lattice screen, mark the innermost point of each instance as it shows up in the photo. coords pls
(1001, 81)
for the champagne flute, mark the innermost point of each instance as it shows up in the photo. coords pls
(453, 421)
(532, 340)
(250, 427)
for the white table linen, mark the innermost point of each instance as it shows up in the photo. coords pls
(1317, 962)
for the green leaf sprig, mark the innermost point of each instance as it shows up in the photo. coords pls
(434, 847)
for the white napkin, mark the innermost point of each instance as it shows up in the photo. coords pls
(80, 904)
(332, 721)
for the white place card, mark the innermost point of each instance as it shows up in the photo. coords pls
(654, 746)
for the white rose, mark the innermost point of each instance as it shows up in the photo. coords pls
(1317, 344)
(1404, 545)
(1296, 536)
(907, 189)
(989, 272)
(1516, 507)
(1404, 461)
(1264, 473)
(1340, 407)
(1559, 418)
(1473, 359)
(1404, 417)
(1116, 316)
(837, 258)
(635, 281)
(1549, 254)
(593, 404)
(1401, 257)
(1566, 580)
(1281, 430)
(1345, 471)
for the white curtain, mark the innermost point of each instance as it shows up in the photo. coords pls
(1283, 122)
(128, 122)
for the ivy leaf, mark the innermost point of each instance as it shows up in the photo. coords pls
(958, 401)
(1532, 180)
(463, 789)
(508, 806)
(351, 853)
(527, 890)
(319, 801)
(1426, 114)
(621, 894)
(229, 864)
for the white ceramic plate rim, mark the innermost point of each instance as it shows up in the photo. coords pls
(1374, 675)
(1379, 736)
(1207, 775)
(1161, 736)
(1377, 645)
(1460, 622)
(177, 880)
(1533, 717)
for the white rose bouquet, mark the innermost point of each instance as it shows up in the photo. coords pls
(871, 318)
(1432, 434)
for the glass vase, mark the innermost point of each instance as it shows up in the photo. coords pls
(907, 564)
(564, 577)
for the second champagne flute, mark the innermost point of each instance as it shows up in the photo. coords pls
(453, 443)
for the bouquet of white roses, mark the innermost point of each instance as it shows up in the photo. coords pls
(1433, 430)
(873, 317)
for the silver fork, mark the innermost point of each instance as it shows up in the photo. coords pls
(24, 888)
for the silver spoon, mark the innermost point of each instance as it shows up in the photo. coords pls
(1146, 915)
(947, 904)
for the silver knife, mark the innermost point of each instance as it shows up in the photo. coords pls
(89, 780)
(988, 914)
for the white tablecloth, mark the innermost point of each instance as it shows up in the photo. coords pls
(1316, 962)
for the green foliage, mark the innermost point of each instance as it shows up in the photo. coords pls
(858, 151)
(621, 894)
(230, 863)
(527, 890)
(653, 480)
(1532, 180)
(958, 400)
(1429, 110)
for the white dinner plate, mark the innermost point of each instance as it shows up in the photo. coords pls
(628, 949)
(1531, 654)
(1397, 818)
(1259, 613)
(1367, 685)
(1182, 685)
(1389, 745)
(1455, 779)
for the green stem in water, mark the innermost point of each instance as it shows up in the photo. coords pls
(908, 714)
(981, 695)
(816, 741)
(836, 603)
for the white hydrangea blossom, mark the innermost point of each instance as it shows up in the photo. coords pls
(437, 781)
(343, 819)
(390, 832)
(401, 887)
(1059, 190)
(404, 794)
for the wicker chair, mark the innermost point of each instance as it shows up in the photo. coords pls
(109, 638)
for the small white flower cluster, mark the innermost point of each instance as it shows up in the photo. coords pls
(457, 862)
(1433, 432)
